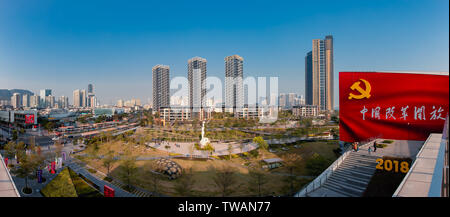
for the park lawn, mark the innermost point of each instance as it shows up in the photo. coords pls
(203, 178)
(69, 184)
(307, 149)
(118, 147)
(82, 188)
(60, 186)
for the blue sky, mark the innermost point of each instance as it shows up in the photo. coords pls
(64, 45)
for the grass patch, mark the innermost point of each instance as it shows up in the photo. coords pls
(93, 171)
(387, 141)
(108, 179)
(60, 186)
(82, 188)
(381, 145)
(69, 184)
(384, 183)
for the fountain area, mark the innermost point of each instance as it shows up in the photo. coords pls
(188, 149)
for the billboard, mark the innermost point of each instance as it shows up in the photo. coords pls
(402, 106)
(29, 119)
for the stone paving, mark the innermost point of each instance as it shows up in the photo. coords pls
(188, 149)
(7, 188)
(33, 183)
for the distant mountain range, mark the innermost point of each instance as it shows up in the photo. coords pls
(6, 94)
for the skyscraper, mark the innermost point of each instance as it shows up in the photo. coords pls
(63, 101)
(92, 101)
(77, 98)
(15, 100)
(26, 100)
(34, 101)
(50, 101)
(90, 89)
(234, 75)
(161, 86)
(83, 98)
(120, 103)
(319, 72)
(197, 85)
(309, 79)
(43, 94)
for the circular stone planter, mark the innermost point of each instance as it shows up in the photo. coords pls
(27, 191)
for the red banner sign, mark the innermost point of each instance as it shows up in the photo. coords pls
(108, 191)
(53, 167)
(29, 119)
(403, 106)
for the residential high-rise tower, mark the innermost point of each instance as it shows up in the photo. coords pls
(319, 71)
(234, 75)
(197, 85)
(161, 86)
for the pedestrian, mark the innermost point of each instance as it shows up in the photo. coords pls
(369, 150)
(375, 146)
(357, 146)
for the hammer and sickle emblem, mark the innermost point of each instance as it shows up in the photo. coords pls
(363, 93)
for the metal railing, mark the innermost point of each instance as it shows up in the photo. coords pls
(9, 175)
(323, 177)
(439, 183)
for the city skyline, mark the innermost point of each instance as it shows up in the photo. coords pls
(68, 50)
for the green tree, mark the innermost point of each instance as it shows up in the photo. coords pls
(224, 178)
(25, 169)
(10, 149)
(291, 162)
(317, 164)
(108, 161)
(14, 135)
(58, 149)
(152, 176)
(262, 144)
(128, 170)
(258, 178)
(184, 184)
(230, 149)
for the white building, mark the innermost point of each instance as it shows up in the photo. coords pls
(16, 100)
(305, 110)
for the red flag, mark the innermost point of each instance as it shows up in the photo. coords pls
(403, 106)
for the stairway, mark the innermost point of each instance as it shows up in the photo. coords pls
(135, 191)
(99, 176)
(350, 179)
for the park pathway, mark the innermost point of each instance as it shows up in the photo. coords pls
(79, 169)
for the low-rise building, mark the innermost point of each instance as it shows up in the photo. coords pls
(172, 114)
(305, 110)
(24, 119)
